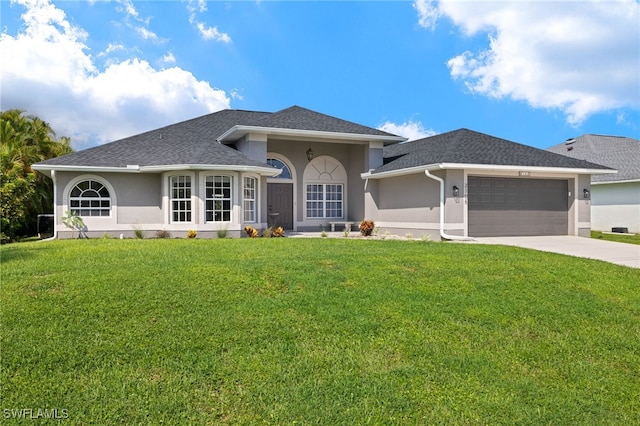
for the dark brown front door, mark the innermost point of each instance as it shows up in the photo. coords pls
(280, 204)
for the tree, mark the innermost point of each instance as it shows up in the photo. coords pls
(25, 140)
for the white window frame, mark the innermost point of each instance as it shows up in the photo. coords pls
(191, 199)
(253, 199)
(83, 203)
(217, 197)
(113, 205)
(323, 201)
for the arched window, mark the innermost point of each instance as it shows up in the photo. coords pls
(279, 164)
(90, 198)
(325, 179)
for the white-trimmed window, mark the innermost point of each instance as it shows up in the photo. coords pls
(249, 200)
(324, 200)
(218, 199)
(90, 198)
(180, 194)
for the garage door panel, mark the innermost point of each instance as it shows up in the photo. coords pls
(519, 207)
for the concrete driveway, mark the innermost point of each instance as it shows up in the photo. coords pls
(618, 253)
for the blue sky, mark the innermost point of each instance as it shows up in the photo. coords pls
(532, 72)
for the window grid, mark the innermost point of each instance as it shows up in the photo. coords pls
(90, 198)
(324, 201)
(218, 199)
(181, 198)
(249, 203)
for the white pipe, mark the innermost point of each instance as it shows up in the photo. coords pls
(443, 234)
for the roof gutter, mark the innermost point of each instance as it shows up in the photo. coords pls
(263, 171)
(468, 166)
(443, 234)
(604, 182)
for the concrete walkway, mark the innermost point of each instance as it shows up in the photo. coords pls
(608, 251)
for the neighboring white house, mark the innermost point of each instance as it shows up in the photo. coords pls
(615, 198)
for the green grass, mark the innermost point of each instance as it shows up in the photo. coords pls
(620, 238)
(317, 331)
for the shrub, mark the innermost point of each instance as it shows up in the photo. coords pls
(192, 233)
(222, 232)
(138, 233)
(251, 231)
(278, 232)
(163, 234)
(74, 222)
(367, 227)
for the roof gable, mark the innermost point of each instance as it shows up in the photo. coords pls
(299, 118)
(465, 146)
(618, 152)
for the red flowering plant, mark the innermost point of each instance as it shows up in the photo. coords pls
(367, 227)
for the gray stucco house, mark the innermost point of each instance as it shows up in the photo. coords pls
(304, 170)
(615, 198)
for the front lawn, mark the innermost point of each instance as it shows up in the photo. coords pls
(316, 331)
(620, 238)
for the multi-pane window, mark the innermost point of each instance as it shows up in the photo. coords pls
(324, 201)
(180, 198)
(333, 201)
(90, 198)
(249, 203)
(218, 199)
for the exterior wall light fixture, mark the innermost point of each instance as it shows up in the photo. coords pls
(456, 191)
(586, 193)
(309, 154)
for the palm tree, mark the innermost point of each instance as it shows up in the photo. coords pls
(25, 140)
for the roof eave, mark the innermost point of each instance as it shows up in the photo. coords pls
(263, 171)
(541, 169)
(467, 166)
(604, 182)
(90, 169)
(238, 131)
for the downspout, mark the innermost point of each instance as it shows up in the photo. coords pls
(444, 235)
(55, 199)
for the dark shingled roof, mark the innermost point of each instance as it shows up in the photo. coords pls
(469, 147)
(195, 141)
(299, 118)
(620, 153)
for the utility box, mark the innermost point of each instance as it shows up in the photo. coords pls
(620, 230)
(45, 226)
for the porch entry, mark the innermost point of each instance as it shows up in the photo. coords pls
(280, 205)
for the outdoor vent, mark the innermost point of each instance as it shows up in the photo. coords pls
(569, 141)
(569, 148)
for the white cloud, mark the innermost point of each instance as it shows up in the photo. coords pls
(147, 34)
(212, 33)
(52, 75)
(579, 57)
(412, 130)
(427, 13)
(169, 58)
(206, 32)
(236, 95)
(111, 48)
